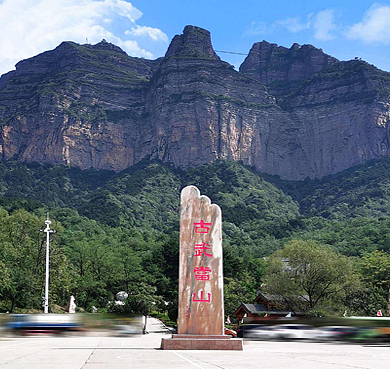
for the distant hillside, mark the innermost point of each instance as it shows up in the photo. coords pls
(146, 195)
(119, 231)
(361, 191)
(260, 212)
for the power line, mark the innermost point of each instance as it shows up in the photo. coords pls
(229, 52)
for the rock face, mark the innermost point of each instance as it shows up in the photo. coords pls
(195, 42)
(269, 62)
(292, 112)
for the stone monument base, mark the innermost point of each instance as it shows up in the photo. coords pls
(201, 342)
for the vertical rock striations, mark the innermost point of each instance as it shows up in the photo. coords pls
(203, 109)
(81, 105)
(269, 63)
(338, 111)
(292, 112)
(194, 43)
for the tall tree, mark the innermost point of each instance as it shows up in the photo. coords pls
(376, 272)
(22, 255)
(306, 275)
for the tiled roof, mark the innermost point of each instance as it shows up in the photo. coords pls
(254, 308)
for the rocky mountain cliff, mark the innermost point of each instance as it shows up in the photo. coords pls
(292, 112)
(269, 63)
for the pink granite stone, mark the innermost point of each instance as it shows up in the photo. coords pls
(201, 310)
(201, 344)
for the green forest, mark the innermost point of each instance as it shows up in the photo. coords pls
(120, 232)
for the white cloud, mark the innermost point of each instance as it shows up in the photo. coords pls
(374, 27)
(28, 27)
(258, 28)
(154, 33)
(323, 25)
(293, 24)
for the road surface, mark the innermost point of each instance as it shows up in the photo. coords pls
(143, 351)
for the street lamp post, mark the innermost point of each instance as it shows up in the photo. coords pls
(47, 230)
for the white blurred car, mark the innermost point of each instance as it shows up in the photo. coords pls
(262, 332)
(295, 331)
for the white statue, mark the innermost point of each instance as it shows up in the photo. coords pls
(71, 305)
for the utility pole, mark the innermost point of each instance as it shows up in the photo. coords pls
(47, 230)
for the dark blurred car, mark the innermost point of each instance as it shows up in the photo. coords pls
(336, 333)
(366, 334)
(243, 329)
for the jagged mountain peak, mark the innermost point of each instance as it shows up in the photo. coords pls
(268, 62)
(68, 53)
(102, 58)
(104, 45)
(194, 42)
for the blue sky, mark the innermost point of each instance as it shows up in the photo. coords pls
(344, 29)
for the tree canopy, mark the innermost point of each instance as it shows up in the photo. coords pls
(308, 276)
(119, 231)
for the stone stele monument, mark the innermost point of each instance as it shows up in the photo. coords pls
(201, 310)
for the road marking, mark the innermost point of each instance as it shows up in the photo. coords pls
(102, 348)
(23, 343)
(125, 357)
(191, 362)
(93, 351)
(15, 344)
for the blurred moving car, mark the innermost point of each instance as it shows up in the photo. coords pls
(367, 334)
(295, 331)
(335, 333)
(127, 326)
(230, 332)
(261, 332)
(42, 323)
(243, 329)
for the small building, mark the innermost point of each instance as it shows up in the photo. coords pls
(265, 306)
(271, 302)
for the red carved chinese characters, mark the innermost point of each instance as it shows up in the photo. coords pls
(201, 297)
(201, 249)
(202, 227)
(202, 273)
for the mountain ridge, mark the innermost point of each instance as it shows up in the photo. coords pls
(93, 106)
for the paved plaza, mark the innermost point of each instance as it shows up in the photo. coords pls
(105, 352)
